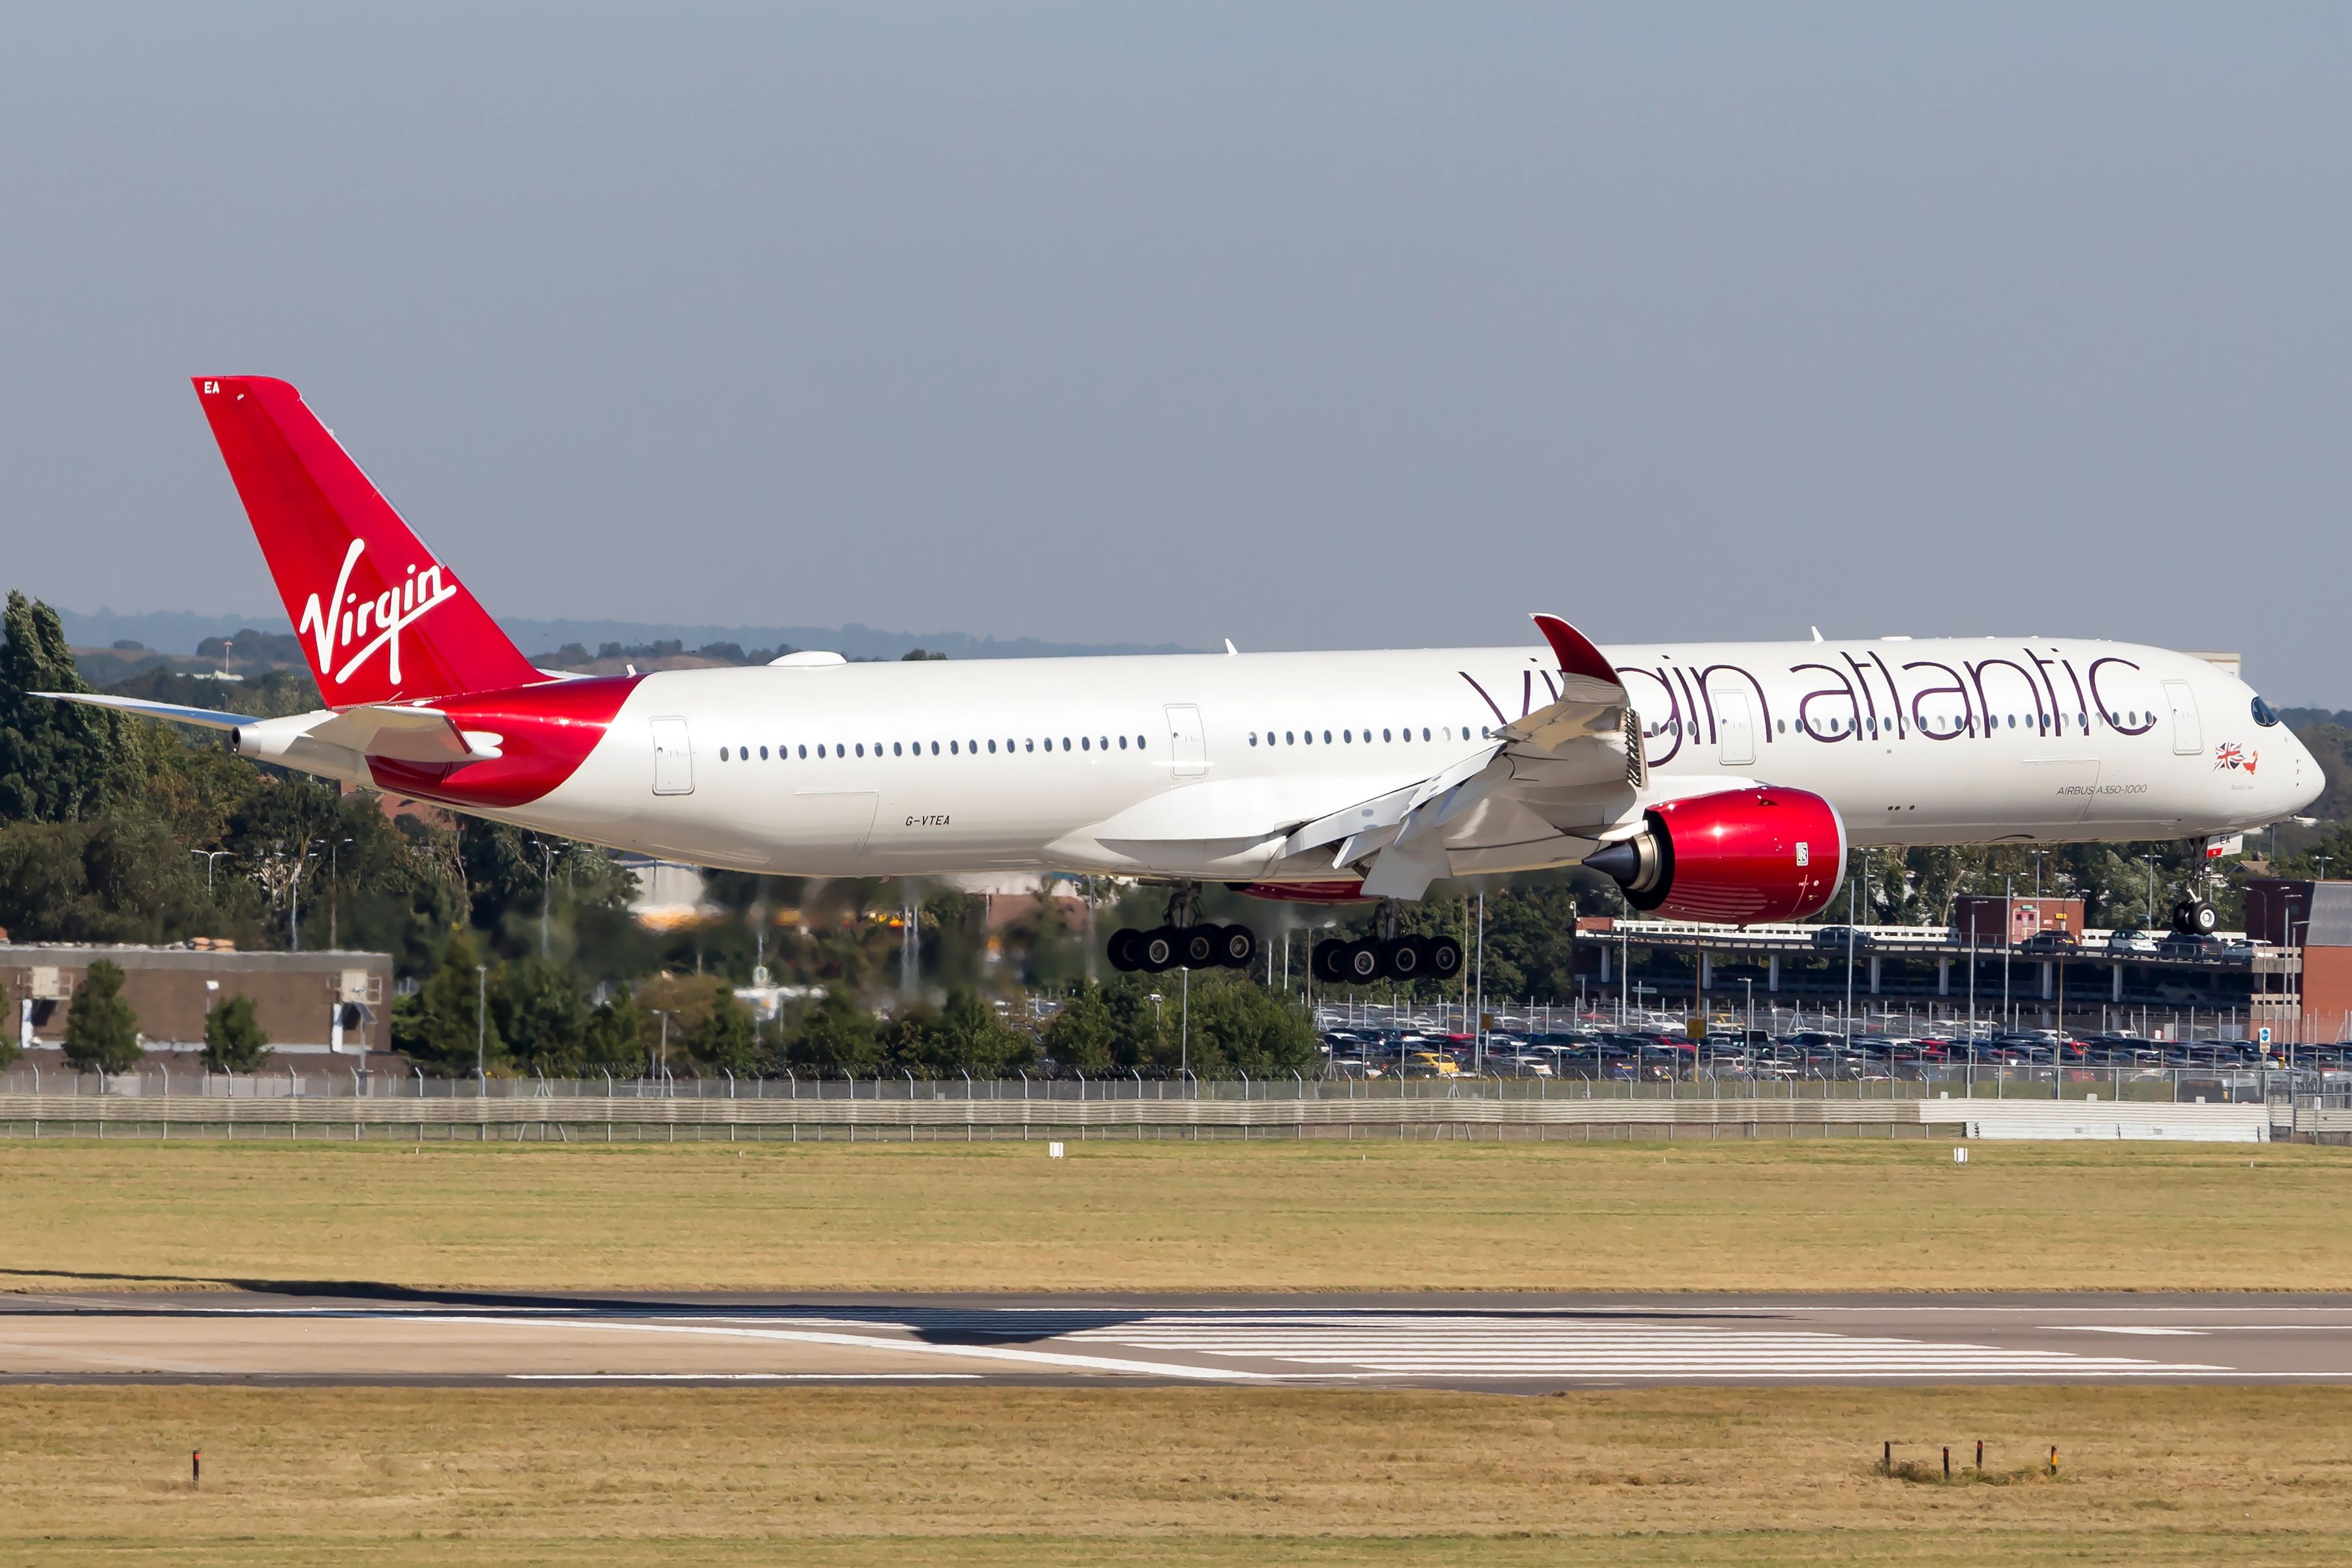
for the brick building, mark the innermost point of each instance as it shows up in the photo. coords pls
(304, 1001)
(2312, 920)
(1985, 914)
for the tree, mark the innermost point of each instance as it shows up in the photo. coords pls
(437, 1026)
(615, 1039)
(836, 1036)
(1238, 1026)
(964, 1036)
(120, 878)
(58, 761)
(233, 1039)
(540, 1012)
(724, 1040)
(1082, 1036)
(101, 1031)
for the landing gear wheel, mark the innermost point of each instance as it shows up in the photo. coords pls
(1125, 946)
(1359, 963)
(1156, 951)
(1200, 945)
(2193, 916)
(1445, 958)
(1327, 962)
(1406, 957)
(1236, 946)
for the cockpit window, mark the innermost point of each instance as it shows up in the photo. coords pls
(2265, 714)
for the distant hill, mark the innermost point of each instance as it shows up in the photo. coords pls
(181, 633)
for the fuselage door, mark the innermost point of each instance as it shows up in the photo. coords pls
(1188, 747)
(2187, 736)
(673, 758)
(1734, 727)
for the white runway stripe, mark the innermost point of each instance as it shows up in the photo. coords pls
(1525, 1346)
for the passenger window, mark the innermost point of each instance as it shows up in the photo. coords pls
(1327, 737)
(1122, 742)
(1065, 743)
(1424, 732)
(991, 748)
(1384, 735)
(895, 750)
(1032, 745)
(1138, 743)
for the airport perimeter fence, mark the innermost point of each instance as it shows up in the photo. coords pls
(354, 1105)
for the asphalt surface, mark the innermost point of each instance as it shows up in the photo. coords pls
(1516, 1343)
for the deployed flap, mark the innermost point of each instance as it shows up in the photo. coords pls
(1542, 792)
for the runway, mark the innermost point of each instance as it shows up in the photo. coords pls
(1518, 1343)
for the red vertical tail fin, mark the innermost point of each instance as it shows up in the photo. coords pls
(379, 616)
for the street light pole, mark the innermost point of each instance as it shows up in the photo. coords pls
(210, 856)
(2008, 944)
(482, 1024)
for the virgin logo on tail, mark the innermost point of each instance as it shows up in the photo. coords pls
(347, 621)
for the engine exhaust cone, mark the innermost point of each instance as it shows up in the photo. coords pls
(1620, 862)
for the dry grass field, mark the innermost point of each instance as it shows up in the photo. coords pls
(2147, 1477)
(1843, 1215)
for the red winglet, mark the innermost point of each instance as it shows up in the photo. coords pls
(1574, 650)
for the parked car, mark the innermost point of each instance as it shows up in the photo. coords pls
(2130, 940)
(1842, 938)
(2059, 939)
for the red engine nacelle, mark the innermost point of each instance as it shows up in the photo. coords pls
(1734, 859)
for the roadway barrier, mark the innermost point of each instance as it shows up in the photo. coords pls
(2093, 1119)
(600, 1119)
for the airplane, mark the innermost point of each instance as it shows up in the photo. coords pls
(1722, 782)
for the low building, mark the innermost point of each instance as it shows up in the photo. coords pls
(305, 1001)
(2023, 916)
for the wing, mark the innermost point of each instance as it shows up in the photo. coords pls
(1547, 790)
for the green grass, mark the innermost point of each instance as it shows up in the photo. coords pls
(1733, 1216)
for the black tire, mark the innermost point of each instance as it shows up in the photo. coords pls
(1406, 957)
(2194, 917)
(1198, 946)
(1124, 944)
(1156, 951)
(1236, 946)
(1445, 958)
(1325, 962)
(1359, 963)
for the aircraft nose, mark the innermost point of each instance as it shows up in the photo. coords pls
(2303, 781)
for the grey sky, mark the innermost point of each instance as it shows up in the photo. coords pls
(1308, 326)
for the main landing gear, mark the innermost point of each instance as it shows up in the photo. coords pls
(1386, 956)
(1182, 942)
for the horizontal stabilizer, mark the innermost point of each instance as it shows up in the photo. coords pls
(407, 735)
(174, 711)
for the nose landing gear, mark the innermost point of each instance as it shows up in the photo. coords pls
(1183, 940)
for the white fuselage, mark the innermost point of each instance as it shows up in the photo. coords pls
(1196, 766)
